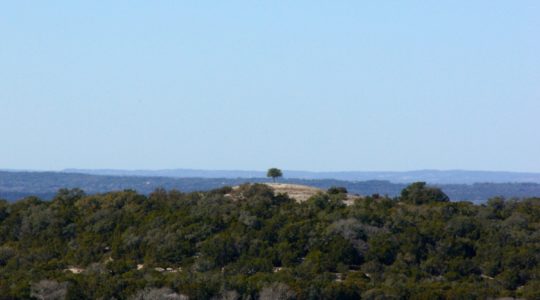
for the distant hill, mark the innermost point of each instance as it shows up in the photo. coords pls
(432, 176)
(17, 185)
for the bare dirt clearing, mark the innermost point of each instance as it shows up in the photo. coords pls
(302, 193)
(298, 192)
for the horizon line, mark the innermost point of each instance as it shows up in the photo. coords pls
(70, 169)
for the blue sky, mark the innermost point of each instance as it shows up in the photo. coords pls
(312, 85)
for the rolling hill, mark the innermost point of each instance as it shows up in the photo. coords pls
(17, 185)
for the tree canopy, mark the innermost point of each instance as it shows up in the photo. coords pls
(249, 242)
(420, 193)
(274, 173)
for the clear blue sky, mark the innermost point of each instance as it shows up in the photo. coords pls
(313, 85)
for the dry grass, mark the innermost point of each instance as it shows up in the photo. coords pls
(296, 191)
(302, 193)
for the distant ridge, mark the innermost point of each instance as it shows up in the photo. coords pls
(17, 185)
(431, 176)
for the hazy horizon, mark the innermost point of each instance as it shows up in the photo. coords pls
(260, 170)
(430, 176)
(247, 85)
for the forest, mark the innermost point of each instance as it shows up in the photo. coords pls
(249, 243)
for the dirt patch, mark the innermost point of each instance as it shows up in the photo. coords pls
(296, 191)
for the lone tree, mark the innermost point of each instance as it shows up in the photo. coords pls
(274, 173)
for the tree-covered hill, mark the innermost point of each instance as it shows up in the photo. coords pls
(249, 243)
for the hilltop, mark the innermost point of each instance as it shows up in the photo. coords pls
(297, 192)
(303, 192)
(17, 185)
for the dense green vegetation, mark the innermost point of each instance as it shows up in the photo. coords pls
(248, 242)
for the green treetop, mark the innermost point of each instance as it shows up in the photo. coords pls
(274, 173)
